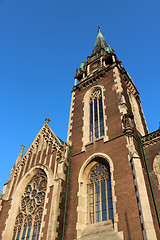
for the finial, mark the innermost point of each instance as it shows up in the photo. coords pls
(99, 29)
(47, 119)
(22, 147)
(20, 154)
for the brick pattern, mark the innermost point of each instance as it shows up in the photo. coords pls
(127, 207)
(60, 218)
(46, 216)
(4, 215)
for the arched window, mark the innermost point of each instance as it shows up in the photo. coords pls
(100, 193)
(29, 217)
(96, 115)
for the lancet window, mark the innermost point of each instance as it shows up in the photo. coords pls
(100, 193)
(29, 217)
(96, 115)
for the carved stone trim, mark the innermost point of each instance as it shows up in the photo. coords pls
(151, 138)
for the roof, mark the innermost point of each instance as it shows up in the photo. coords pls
(101, 44)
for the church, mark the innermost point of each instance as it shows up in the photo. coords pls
(103, 182)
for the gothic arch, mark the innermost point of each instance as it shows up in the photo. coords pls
(20, 189)
(83, 209)
(86, 114)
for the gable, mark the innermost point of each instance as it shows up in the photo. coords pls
(45, 140)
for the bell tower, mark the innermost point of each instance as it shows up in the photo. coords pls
(107, 197)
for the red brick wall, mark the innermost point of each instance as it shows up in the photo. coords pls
(4, 215)
(126, 206)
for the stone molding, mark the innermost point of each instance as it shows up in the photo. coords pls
(71, 117)
(136, 113)
(86, 117)
(49, 137)
(141, 191)
(101, 72)
(102, 230)
(8, 231)
(82, 208)
(151, 138)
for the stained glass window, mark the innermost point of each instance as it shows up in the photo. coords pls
(96, 115)
(100, 193)
(29, 217)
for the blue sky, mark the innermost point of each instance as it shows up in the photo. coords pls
(42, 42)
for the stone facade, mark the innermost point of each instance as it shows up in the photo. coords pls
(117, 138)
(49, 154)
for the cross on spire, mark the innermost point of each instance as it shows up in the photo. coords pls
(99, 29)
(47, 119)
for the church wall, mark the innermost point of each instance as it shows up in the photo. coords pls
(46, 217)
(4, 215)
(128, 219)
(142, 117)
(126, 203)
(45, 156)
(151, 152)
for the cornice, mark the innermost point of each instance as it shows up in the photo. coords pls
(93, 77)
(151, 138)
(101, 72)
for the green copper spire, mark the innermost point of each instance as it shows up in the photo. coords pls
(101, 44)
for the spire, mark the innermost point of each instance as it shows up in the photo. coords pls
(101, 44)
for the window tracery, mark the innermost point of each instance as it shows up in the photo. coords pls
(100, 193)
(28, 220)
(96, 115)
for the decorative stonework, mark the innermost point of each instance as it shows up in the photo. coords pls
(71, 117)
(141, 191)
(123, 106)
(91, 78)
(28, 220)
(50, 139)
(136, 112)
(128, 124)
(151, 138)
(156, 167)
(117, 80)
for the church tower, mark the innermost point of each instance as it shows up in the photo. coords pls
(107, 196)
(103, 183)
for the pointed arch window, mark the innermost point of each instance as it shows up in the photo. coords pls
(29, 217)
(100, 193)
(96, 115)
